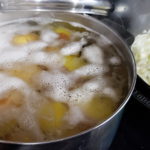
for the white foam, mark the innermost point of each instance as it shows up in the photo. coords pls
(115, 60)
(37, 57)
(73, 48)
(10, 83)
(51, 60)
(58, 85)
(93, 54)
(88, 90)
(75, 116)
(110, 92)
(49, 36)
(12, 55)
(5, 39)
(91, 70)
(80, 95)
(19, 28)
(32, 47)
(93, 86)
(28, 123)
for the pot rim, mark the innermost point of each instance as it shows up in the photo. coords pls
(130, 91)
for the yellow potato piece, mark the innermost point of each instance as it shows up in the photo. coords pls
(25, 72)
(99, 108)
(25, 38)
(63, 33)
(51, 116)
(6, 128)
(73, 62)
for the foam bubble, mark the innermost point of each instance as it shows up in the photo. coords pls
(111, 93)
(115, 60)
(92, 70)
(73, 48)
(58, 85)
(80, 95)
(93, 54)
(28, 123)
(10, 83)
(33, 47)
(75, 116)
(12, 55)
(49, 36)
(93, 86)
(51, 60)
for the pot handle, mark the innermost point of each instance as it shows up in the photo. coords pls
(141, 92)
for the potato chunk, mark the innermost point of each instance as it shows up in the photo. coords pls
(63, 33)
(16, 98)
(25, 72)
(51, 116)
(22, 39)
(99, 108)
(73, 62)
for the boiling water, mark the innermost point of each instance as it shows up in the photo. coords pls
(56, 79)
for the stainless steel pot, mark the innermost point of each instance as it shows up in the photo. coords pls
(100, 136)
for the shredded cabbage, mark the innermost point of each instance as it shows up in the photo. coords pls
(141, 51)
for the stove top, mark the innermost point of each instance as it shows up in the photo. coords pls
(134, 130)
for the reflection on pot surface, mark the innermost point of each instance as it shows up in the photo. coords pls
(57, 79)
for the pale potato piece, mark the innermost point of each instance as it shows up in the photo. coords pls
(25, 72)
(51, 116)
(64, 33)
(73, 62)
(21, 39)
(99, 108)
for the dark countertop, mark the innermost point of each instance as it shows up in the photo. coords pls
(134, 130)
